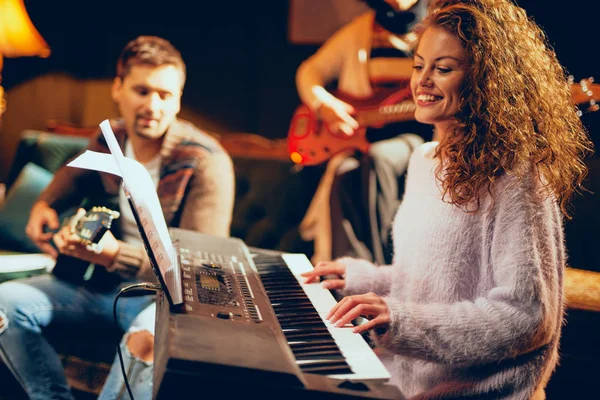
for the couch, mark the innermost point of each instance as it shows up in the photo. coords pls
(272, 196)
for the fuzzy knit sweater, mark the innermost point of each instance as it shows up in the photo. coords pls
(475, 299)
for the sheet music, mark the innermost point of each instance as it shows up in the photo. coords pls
(138, 184)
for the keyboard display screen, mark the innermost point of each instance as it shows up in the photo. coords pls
(209, 282)
(215, 287)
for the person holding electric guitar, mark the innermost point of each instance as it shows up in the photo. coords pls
(194, 180)
(371, 110)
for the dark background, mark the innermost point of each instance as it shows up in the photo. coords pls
(241, 65)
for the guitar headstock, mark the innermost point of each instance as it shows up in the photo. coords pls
(90, 226)
(585, 91)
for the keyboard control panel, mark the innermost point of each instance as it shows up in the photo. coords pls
(217, 285)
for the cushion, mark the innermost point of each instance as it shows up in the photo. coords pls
(272, 197)
(14, 212)
(47, 150)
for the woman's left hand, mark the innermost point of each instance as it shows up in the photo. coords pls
(370, 306)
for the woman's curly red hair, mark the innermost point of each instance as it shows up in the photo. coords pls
(516, 106)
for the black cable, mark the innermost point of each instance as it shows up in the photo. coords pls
(142, 289)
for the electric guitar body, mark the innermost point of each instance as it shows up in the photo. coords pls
(310, 142)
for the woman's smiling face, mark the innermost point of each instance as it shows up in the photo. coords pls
(437, 78)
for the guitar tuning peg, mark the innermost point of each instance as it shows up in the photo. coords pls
(591, 79)
(570, 79)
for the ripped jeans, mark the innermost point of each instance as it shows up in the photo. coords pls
(139, 372)
(29, 307)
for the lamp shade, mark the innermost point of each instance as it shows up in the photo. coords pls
(18, 36)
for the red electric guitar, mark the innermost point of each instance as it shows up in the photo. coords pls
(585, 91)
(310, 142)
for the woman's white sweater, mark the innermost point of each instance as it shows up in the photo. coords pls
(475, 298)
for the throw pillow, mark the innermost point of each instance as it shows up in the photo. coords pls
(14, 212)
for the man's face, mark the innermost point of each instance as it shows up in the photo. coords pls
(149, 99)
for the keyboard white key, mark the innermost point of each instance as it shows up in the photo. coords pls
(358, 354)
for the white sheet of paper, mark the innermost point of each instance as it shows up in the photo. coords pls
(96, 161)
(25, 262)
(138, 184)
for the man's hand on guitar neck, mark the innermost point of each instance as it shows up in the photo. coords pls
(337, 115)
(70, 244)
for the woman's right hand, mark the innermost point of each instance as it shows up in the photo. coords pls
(324, 268)
(336, 114)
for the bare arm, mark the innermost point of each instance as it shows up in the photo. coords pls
(322, 68)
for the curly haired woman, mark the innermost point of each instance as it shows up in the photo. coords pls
(472, 304)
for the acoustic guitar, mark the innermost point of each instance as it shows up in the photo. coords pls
(90, 226)
(310, 142)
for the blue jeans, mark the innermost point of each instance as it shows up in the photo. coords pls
(139, 372)
(29, 306)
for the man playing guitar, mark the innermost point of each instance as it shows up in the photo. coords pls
(194, 181)
(369, 58)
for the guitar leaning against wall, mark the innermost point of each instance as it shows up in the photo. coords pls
(310, 142)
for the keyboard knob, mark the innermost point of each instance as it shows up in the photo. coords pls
(210, 264)
(224, 315)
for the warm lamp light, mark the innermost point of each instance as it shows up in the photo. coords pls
(18, 36)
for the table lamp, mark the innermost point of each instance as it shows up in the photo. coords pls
(18, 37)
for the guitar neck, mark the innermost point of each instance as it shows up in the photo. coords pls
(401, 112)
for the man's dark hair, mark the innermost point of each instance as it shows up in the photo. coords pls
(149, 50)
(398, 22)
